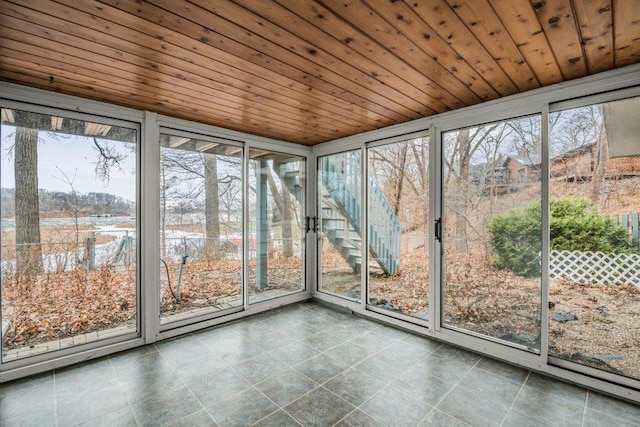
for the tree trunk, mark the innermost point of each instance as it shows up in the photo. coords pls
(28, 249)
(283, 202)
(462, 189)
(400, 174)
(602, 155)
(212, 209)
(163, 212)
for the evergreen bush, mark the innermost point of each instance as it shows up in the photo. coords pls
(575, 225)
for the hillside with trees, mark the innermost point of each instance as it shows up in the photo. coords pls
(64, 204)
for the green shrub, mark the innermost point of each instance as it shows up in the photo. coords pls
(575, 225)
(516, 240)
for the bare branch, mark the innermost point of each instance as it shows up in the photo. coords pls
(107, 159)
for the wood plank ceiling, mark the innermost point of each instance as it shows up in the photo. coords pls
(310, 71)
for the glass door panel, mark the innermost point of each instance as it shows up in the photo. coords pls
(398, 227)
(594, 261)
(68, 232)
(492, 231)
(339, 224)
(277, 232)
(200, 227)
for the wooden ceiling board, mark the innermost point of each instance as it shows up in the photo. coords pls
(88, 88)
(122, 52)
(482, 21)
(371, 74)
(626, 24)
(596, 30)
(252, 77)
(324, 95)
(338, 29)
(252, 46)
(559, 24)
(405, 21)
(447, 24)
(520, 20)
(309, 71)
(290, 48)
(378, 29)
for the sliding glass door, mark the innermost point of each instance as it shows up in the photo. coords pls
(398, 227)
(200, 226)
(491, 231)
(276, 236)
(339, 224)
(69, 244)
(594, 260)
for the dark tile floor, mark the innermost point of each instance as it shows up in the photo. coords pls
(303, 365)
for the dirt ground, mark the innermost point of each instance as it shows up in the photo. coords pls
(56, 306)
(604, 334)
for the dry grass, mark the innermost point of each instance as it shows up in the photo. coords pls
(59, 236)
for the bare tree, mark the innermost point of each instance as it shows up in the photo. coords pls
(601, 157)
(191, 175)
(75, 199)
(212, 209)
(402, 171)
(472, 146)
(29, 250)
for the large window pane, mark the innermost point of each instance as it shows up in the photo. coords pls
(200, 227)
(594, 266)
(276, 224)
(492, 230)
(68, 189)
(398, 227)
(339, 225)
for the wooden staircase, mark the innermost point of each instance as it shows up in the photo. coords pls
(340, 189)
(340, 192)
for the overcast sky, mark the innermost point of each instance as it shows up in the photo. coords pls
(73, 156)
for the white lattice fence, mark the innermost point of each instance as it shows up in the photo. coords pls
(595, 267)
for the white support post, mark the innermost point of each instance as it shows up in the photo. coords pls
(148, 228)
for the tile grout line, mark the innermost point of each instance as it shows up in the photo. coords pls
(198, 400)
(584, 409)
(454, 386)
(129, 406)
(55, 398)
(516, 397)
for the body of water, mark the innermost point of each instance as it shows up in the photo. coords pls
(9, 224)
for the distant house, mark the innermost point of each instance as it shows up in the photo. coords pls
(574, 165)
(579, 164)
(514, 171)
(522, 168)
(506, 175)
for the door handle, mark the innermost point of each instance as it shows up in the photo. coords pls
(438, 230)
